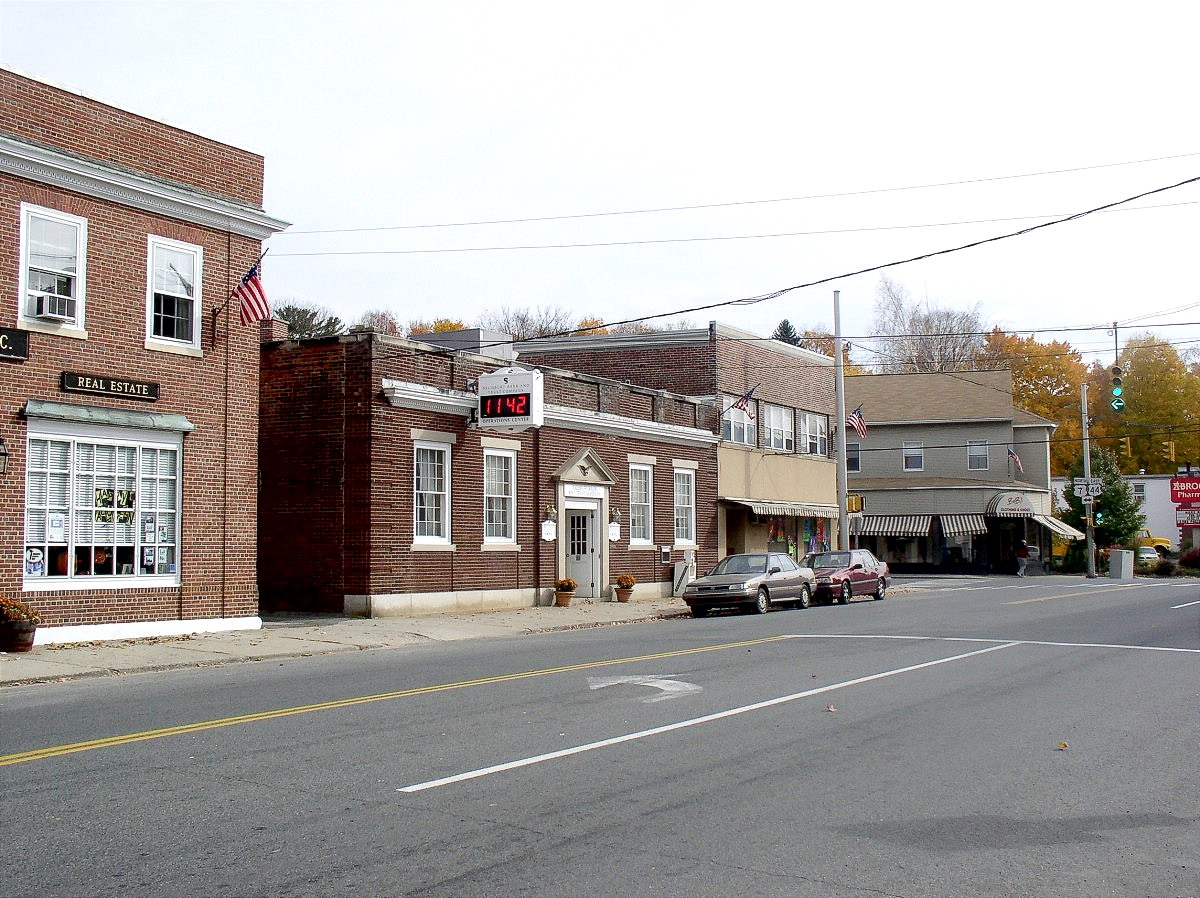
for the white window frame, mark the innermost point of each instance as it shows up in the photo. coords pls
(815, 437)
(737, 426)
(508, 495)
(158, 341)
(854, 458)
(164, 518)
(779, 428)
(647, 507)
(25, 316)
(685, 506)
(973, 455)
(444, 519)
(910, 451)
(1139, 493)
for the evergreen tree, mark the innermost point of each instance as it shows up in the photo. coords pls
(785, 333)
(1116, 506)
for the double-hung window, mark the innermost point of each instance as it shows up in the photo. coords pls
(853, 457)
(431, 493)
(779, 428)
(101, 511)
(173, 312)
(53, 246)
(977, 455)
(641, 505)
(685, 505)
(499, 496)
(914, 456)
(815, 438)
(737, 424)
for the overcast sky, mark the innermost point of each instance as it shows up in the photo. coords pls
(842, 126)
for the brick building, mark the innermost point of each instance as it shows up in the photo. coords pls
(384, 492)
(130, 398)
(776, 476)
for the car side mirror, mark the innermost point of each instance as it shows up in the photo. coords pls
(774, 570)
(856, 567)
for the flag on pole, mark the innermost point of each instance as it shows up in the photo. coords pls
(744, 403)
(858, 422)
(252, 297)
(1015, 459)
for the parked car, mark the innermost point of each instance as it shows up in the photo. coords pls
(845, 574)
(1157, 543)
(1146, 555)
(753, 580)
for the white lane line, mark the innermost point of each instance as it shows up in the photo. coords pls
(1185, 605)
(1068, 645)
(683, 724)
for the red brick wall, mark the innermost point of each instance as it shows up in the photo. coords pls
(218, 392)
(300, 394)
(47, 115)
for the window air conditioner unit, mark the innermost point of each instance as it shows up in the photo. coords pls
(52, 307)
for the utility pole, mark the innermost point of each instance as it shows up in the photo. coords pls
(1087, 475)
(843, 540)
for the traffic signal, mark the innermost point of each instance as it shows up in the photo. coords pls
(1118, 391)
(1169, 450)
(1127, 447)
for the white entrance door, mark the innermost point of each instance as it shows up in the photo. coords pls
(583, 557)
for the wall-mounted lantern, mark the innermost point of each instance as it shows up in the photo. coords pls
(3, 456)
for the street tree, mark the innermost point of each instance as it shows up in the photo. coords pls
(785, 333)
(308, 321)
(921, 337)
(382, 321)
(1046, 380)
(526, 324)
(436, 326)
(1116, 511)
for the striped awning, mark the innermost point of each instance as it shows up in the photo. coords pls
(894, 525)
(962, 524)
(1056, 526)
(780, 508)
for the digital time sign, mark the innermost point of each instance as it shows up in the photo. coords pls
(513, 405)
(510, 399)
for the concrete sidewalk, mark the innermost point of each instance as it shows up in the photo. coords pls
(293, 636)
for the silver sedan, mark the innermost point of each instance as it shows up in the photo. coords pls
(754, 580)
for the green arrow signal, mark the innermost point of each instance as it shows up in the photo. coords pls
(1118, 404)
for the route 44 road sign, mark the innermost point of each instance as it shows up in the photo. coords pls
(1087, 488)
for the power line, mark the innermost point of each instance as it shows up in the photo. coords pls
(669, 240)
(726, 205)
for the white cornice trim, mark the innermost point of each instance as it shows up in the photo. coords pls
(404, 394)
(102, 182)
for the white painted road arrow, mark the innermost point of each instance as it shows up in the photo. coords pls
(670, 688)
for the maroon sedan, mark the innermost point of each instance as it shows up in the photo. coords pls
(843, 575)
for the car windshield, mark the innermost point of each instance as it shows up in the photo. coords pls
(828, 559)
(742, 564)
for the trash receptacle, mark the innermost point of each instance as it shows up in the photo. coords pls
(1120, 564)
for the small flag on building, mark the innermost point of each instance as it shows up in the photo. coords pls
(1015, 459)
(744, 403)
(253, 298)
(858, 422)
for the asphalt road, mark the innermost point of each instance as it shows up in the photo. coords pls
(981, 737)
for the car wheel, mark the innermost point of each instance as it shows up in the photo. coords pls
(844, 595)
(881, 589)
(805, 598)
(762, 602)
(699, 611)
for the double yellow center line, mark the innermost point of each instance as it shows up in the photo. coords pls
(54, 751)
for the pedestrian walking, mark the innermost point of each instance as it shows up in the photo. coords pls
(1022, 558)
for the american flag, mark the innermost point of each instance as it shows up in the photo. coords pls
(744, 403)
(856, 420)
(1016, 459)
(252, 296)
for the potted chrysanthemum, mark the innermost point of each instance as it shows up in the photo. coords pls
(18, 624)
(564, 591)
(624, 587)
